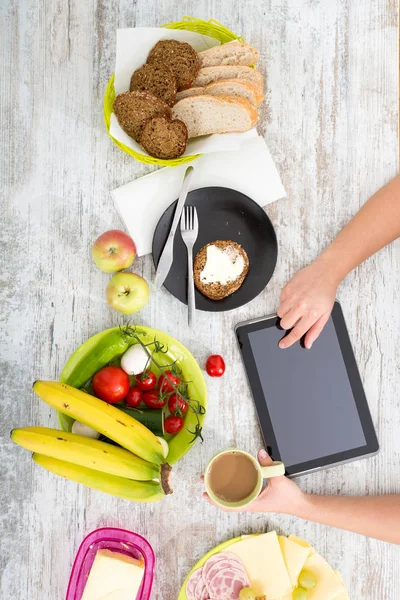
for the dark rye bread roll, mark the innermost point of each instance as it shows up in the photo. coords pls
(218, 290)
(157, 79)
(163, 138)
(180, 56)
(133, 109)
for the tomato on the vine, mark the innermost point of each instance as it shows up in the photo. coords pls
(177, 404)
(146, 380)
(111, 384)
(165, 384)
(173, 424)
(134, 397)
(215, 365)
(154, 399)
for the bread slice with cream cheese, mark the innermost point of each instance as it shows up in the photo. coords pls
(220, 268)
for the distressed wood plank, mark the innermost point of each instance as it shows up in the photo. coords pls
(330, 120)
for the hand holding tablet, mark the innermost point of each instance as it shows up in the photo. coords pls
(306, 303)
(310, 403)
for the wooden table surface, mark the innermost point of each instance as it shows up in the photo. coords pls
(330, 120)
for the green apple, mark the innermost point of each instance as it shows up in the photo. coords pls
(127, 293)
(114, 251)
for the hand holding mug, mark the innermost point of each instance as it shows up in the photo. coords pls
(281, 495)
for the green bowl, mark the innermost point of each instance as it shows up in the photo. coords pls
(180, 443)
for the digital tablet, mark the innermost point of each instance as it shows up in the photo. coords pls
(311, 404)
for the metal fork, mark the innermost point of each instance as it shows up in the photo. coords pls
(189, 231)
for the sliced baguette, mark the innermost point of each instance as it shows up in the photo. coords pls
(209, 114)
(208, 75)
(233, 53)
(227, 87)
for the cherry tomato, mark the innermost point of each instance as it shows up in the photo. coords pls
(111, 384)
(215, 365)
(164, 383)
(173, 424)
(153, 399)
(146, 381)
(134, 397)
(176, 404)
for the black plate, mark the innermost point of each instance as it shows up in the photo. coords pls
(223, 214)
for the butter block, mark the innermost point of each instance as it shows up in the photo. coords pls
(113, 576)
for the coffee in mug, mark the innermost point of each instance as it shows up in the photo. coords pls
(234, 478)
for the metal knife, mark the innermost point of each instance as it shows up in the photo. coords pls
(167, 255)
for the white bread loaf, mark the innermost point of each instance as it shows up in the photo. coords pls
(227, 87)
(233, 53)
(210, 114)
(208, 75)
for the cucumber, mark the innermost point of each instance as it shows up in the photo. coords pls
(80, 369)
(152, 419)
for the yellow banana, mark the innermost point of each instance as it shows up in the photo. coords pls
(137, 491)
(85, 452)
(103, 417)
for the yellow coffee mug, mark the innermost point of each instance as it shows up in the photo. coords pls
(275, 470)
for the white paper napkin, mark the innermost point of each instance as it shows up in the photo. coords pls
(133, 46)
(250, 171)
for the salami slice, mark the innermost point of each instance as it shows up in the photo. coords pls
(191, 584)
(216, 558)
(201, 591)
(227, 583)
(232, 556)
(220, 567)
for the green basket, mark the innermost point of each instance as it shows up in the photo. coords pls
(210, 28)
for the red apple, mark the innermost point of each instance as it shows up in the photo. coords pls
(127, 292)
(114, 251)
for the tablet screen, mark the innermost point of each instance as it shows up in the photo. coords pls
(311, 403)
(308, 395)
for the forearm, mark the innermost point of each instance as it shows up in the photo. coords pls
(375, 225)
(373, 516)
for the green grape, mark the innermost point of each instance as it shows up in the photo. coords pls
(307, 580)
(299, 593)
(247, 594)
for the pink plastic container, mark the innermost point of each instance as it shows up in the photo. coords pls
(118, 540)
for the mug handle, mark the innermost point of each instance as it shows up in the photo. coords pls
(275, 470)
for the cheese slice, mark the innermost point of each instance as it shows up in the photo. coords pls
(301, 542)
(344, 595)
(113, 576)
(329, 585)
(294, 555)
(262, 558)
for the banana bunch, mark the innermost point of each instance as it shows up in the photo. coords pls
(136, 471)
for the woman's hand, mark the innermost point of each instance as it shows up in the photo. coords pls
(306, 303)
(281, 494)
